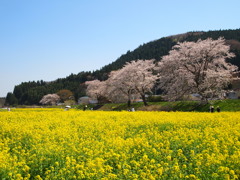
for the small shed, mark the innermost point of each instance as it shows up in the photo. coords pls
(232, 95)
(83, 100)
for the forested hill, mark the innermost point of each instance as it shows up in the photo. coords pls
(32, 92)
(158, 48)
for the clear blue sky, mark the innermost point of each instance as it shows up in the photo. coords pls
(50, 39)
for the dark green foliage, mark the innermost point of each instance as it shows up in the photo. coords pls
(32, 92)
(2, 101)
(156, 98)
(29, 93)
(11, 99)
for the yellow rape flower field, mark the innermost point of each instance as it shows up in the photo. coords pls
(58, 144)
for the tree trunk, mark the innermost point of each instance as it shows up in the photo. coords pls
(144, 100)
(129, 103)
(204, 100)
(129, 97)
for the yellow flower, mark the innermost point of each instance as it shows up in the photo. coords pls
(169, 158)
(160, 171)
(112, 176)
(231, 172)
(192, 176)
(125, 171)
(38, 177)
(226, 177)
(95, 144)
(215, 175)
(19, 176)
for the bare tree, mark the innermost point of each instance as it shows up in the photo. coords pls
(65, 95)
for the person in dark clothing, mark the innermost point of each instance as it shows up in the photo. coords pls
(218, 109)
(211, 109)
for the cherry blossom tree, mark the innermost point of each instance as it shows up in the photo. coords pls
(136, 77)
(142, 77)
(50, 99)
(119, 88)
(196, 67)
(96, 89)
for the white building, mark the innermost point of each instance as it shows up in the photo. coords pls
(87, 100)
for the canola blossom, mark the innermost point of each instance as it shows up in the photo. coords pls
(57, 144)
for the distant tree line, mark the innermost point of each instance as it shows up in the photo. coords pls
(30, 93)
